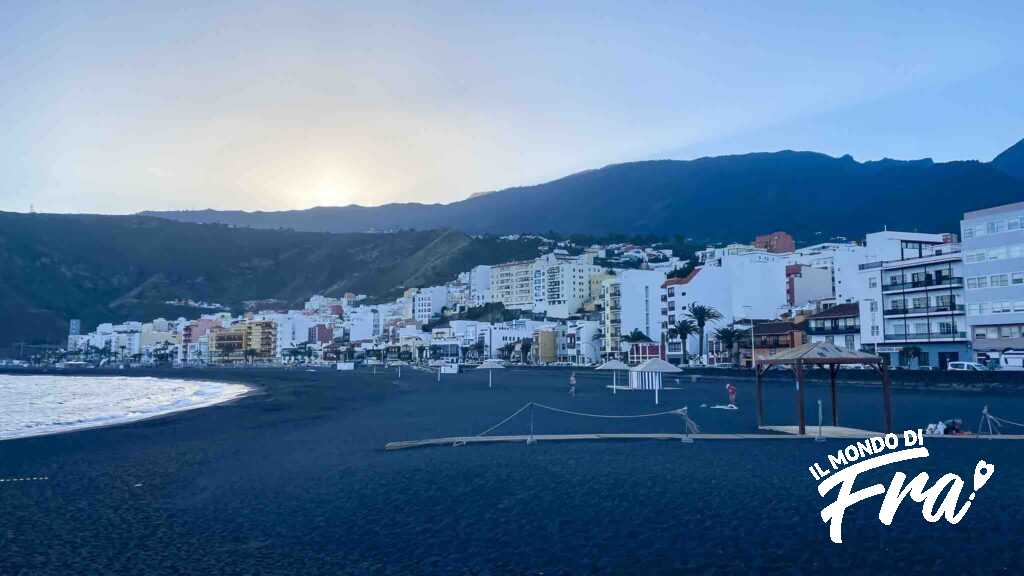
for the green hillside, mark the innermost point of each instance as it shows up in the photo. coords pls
(112, 268)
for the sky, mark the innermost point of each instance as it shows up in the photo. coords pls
(110, 107)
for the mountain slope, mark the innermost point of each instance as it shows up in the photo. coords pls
(1011, 160)
(111, 268)
(723, 198)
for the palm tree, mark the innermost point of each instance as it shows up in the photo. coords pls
(702, 314)
(730, 339)
(683, 330)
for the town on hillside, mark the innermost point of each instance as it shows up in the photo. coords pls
(920, 301)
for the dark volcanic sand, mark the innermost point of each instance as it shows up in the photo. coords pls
(294, 480)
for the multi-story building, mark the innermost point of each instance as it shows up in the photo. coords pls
(839, 325)
(807, 284)
(771, 338)
(919, 297)
(428, 303)
(260, 340)
(993, 251)
(227, 344)
(776, 242)
(561, 283)
(582, 342)
(512, 284)
(479, 281)
(743, 285)
(631, 301)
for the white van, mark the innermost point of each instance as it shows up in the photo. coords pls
(966, 367)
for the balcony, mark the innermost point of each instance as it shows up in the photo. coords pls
(913, 336)
(946, 309)
(830, 330)
(948, 281)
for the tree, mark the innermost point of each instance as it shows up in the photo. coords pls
(637, 336)
(683, 330)
(702, 315)
(730, 339)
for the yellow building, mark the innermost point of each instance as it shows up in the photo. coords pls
(260, 340)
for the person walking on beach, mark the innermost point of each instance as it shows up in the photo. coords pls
(732, 393)
(572, 385)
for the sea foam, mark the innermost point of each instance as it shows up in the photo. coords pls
(37, 405)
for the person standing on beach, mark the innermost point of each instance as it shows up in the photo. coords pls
(572, 385)
(732, 393)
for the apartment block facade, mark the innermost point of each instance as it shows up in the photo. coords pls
(993, 251)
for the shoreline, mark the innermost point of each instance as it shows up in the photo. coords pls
(226, 397)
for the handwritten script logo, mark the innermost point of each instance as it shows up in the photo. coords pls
(846, 464)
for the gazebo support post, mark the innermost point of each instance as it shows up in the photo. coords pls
(833, 370)
(798, 371)
(887, 396)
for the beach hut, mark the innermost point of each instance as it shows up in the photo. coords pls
(822, 354)
(613, 365)
(647, 376)
(490, 365)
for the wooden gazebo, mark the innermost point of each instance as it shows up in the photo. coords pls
(822, 354)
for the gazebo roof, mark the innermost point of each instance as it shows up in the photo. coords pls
(613, 365)
(655, 365)
(821, 353)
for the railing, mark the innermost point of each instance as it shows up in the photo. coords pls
(925, 309)
(925, 336)
(946, 281)
(833, 330)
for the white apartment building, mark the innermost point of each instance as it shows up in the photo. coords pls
(428, 302)
(582, 344)
(512, 284)
(479, 281)
(743, 285)
(630, 301)
(561, 283)
(912, 310)
(993, 250)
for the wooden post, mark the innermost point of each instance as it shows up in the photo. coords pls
(798, 370)
(760, 395)
(887, 397)
(833, 369)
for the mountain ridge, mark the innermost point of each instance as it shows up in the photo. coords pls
(708, 199)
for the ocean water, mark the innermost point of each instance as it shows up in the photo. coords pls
(294, 480)
(42, 404)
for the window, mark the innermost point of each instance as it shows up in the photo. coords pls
(872, 282)
(972, 283)
(982, 281)
(1012, 331)
(1013, 224)
(874, 330)
(974, 257)
(968, 232)
(999, 280)
(874, 306)
(849, 342)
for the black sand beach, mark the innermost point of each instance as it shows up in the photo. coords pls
(294, 480)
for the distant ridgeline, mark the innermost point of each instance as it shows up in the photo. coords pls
(813, 196)
(116, 268)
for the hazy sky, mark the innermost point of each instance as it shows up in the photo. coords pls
(107, 107)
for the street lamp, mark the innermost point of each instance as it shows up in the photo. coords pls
(749, 311)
